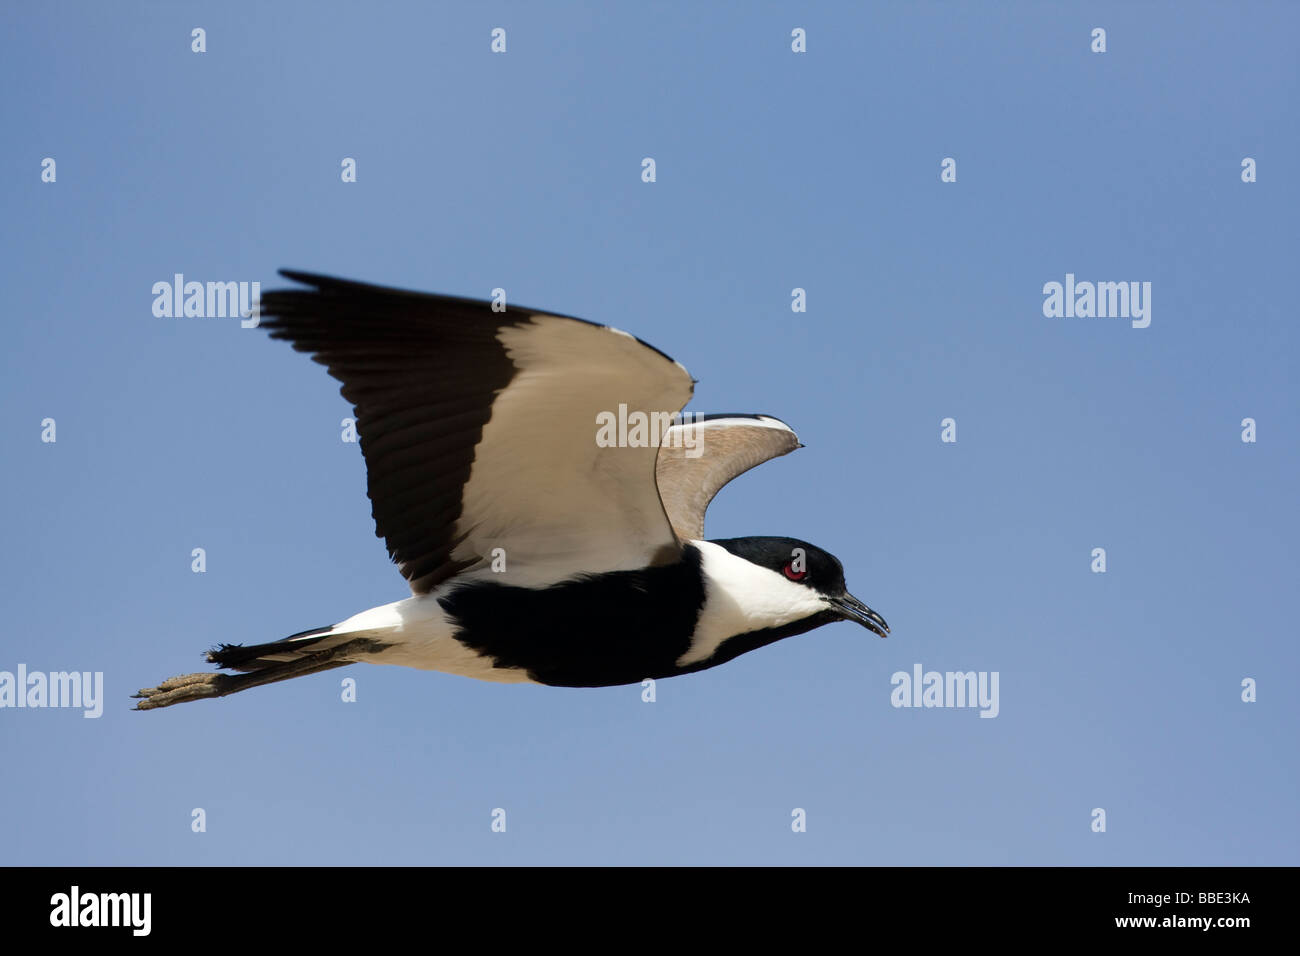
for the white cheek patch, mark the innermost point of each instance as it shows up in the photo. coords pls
(741, 597)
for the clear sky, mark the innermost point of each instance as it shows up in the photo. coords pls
(775, 170)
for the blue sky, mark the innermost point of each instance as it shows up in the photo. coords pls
(775, 170)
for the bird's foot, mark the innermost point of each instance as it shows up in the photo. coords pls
(180, 689)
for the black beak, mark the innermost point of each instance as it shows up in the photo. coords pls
(851, 609)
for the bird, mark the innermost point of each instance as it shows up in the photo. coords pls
(543, 493)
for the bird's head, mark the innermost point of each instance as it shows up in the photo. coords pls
(808, 566)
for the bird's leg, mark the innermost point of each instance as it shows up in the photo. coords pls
(187, 687)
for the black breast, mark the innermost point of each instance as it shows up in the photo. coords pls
(595, 631)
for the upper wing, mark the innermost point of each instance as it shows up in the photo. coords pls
(697, 459)
(479, 429)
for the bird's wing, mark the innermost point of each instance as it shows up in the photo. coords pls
(480, 429)
(698, 457)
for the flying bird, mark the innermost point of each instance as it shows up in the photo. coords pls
(541, 542)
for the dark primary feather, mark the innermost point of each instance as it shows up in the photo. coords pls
(421, 372)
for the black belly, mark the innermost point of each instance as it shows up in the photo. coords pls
(605, 629)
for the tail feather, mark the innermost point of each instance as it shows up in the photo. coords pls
(257, 656)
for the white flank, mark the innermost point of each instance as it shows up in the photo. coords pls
(421, 637)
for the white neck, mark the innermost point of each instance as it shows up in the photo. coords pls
(739, 597)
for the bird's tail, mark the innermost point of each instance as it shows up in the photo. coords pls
(309, 652)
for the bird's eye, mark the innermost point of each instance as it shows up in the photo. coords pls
(792, 574)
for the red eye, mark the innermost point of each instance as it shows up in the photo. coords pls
(792, 574)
